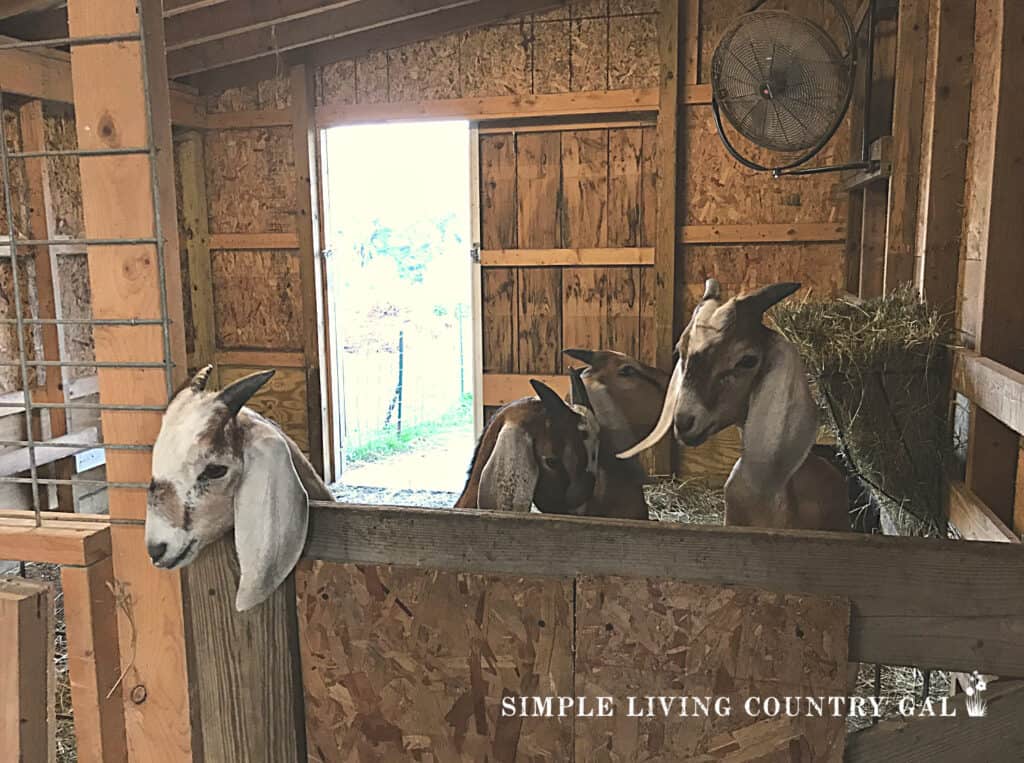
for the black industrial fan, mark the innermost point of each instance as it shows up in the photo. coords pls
(784, 84)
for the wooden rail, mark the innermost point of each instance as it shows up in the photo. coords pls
(996, 388)
(973, 621)
(600, 257)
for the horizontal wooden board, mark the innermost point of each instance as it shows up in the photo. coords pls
(764, 233)
(237, 120)
(493, 107)
(76, 543)
(254, 241)
(504, 388)
(973, 519)
(996, 388)
(518, 258)
(974, 620)
(265, 358)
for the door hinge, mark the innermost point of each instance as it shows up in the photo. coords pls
(474, 253)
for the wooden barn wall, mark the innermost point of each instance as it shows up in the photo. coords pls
(562, 188)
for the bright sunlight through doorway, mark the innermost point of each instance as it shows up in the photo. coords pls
(398, 274)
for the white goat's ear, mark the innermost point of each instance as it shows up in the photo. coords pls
(510, 476)
(271, 518)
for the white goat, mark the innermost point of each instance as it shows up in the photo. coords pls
(733, 369)
(218, 465)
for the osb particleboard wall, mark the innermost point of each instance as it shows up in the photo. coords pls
(566, 188)
(413, 665)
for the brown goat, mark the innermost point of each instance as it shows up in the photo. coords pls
(627, 397)
(536, 451)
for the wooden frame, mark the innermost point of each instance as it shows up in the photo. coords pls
(83, 549)
(27, 721)
(974, 621)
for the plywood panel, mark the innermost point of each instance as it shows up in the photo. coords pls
(424, 70)
(498, 191)
(633, 52)
(496, 60)
(10, 131)
(249, 180)
(648, 185)
(637, 637)
(336, 83)
(538, 178)
(65, 181)
(282, 399)
(256, 297)
(721, 191)
(585, 188)
(76, 304)
(413, 664)
(588, 54)
(372, 78)
(539, 320)
(551, 56)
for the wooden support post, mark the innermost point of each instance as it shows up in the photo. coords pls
(27, 722)
(670, 32)
(94, 661)
(944, 154)
(197, 242)
(908, 106)
(40, 226)
(691, 41)
(307, 226)
(110, 95)
(993, 230)
(872, 240)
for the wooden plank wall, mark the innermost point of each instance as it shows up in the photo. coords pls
(568, 188)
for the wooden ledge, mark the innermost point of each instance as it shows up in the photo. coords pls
(56, 542)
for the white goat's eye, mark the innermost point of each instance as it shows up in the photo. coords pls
(213, 472)
(747, 361)
(551, 463)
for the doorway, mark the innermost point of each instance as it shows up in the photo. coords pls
(398, 236)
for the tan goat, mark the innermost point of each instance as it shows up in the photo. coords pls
(734, 370)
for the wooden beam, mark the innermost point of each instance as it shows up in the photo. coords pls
(672, 63)
(994, 227)
(499, 389)
(567, 257)
(220, 241)
(997, 389)
(53, 450)
(973, 621)
(46, 75)
(944, 154)
(997, 736)
(174, 7)
(762, 233)
(391, 21)
(908, 107)
(243, 120)
(41, 226)
(691, 42)
(27, 720)
(94, 661)
(118, 201)
(973, 519)
(494, 107)
(195, 219)
(872, 241)
(80, 543)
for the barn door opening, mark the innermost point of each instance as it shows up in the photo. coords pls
(400, 310)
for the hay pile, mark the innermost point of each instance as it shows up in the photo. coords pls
(690, 501)
(880, 369)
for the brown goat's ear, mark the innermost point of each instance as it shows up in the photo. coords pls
(578, 392)
(585, 356)
(201, 379)
(757, 302)
(553, 404)
(237, 394)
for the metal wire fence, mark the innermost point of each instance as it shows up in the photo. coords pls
(33, 449)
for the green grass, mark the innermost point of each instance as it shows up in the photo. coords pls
(388, 442)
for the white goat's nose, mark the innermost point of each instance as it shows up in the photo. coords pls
(156, 551)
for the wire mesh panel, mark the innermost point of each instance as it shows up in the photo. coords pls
(56, 423)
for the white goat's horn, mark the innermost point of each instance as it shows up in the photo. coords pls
(664, 421)
(711, 289)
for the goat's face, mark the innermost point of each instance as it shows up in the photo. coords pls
(218, 466)
(197, 466)
(627, 395)
(720, 361)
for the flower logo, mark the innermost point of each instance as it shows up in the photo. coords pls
(976, 705)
